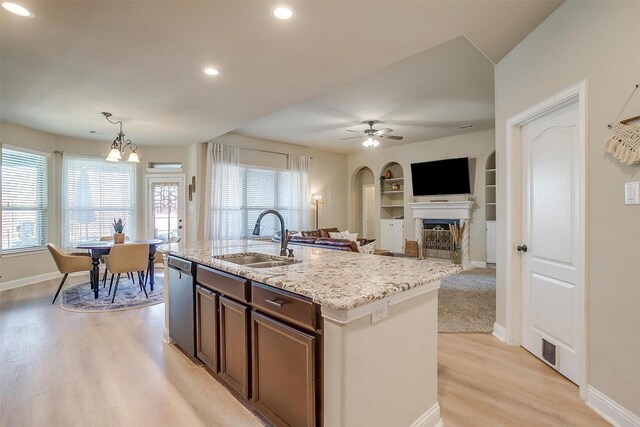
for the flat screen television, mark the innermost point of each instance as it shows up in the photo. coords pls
(450, 176)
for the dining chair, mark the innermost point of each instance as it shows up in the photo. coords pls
(131, 258)
(103, 258)
(68, 263)
(158, 258)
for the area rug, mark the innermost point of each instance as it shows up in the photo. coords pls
(467, 302)
(79, 298)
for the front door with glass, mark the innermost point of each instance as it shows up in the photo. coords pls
(166, 207)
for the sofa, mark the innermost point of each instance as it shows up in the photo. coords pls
(321, 239)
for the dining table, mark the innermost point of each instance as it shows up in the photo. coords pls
(99, 248)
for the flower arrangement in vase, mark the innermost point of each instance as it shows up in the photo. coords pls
(118, 228)
(457, 231)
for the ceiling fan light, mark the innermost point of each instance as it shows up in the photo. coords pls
(370, 143)
(133, 157)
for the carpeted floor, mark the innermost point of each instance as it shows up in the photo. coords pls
(80, 297)
(467, 302)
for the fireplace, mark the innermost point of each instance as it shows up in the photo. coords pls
(432, 221)
(437, 239)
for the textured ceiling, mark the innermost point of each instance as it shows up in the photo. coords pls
(142, 60)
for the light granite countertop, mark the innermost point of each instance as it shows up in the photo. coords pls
(335, 279)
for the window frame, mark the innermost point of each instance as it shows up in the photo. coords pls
(45, 203)
(243, 206)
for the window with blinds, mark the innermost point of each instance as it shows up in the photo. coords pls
(24, 200)
(95, 192)
(264, 189)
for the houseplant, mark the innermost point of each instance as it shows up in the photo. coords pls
(118, 228)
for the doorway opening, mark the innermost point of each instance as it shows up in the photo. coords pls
(363, 192)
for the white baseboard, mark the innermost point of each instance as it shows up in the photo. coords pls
(499, 332)
(431, 418)
(31, 280)
(610, 410)
(480, 264)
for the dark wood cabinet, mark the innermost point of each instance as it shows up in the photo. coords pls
(263, 343)
(234, 345)
(207, 327)
(284, 372)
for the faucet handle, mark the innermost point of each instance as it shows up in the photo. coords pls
(290, 255)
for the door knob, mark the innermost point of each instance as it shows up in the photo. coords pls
(522, 248)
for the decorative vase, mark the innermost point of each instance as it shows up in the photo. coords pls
(388, 174)
(395, 187)
(457, 255)
(118, 238)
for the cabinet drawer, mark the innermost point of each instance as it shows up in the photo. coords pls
(227, 284)
(293, 308)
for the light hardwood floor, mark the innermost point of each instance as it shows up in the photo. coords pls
(59, 368)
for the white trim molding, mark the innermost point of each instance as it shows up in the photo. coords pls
(431, 418)
(513, 224)
(499, 332)
(478, 264)
(610, 410)
(32, 280)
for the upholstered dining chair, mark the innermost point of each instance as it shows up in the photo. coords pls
(157, 256)
(104, 257)
(68, 263)
(131, 258)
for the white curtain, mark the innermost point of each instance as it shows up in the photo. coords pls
(224, 195)
(300, 199)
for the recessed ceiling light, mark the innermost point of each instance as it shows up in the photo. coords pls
(17, 9)
(209, 71)
(282, 12)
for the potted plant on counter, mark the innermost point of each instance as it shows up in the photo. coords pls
(118, 228)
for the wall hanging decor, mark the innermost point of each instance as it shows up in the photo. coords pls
(624, 144)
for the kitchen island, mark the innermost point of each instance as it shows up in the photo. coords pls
(330, 338)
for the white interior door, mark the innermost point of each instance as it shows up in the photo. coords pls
(368, 211)
(165, 207)
(551, 233)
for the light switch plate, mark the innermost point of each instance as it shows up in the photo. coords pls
(632, 193)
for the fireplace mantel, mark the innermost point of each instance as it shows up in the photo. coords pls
(460, 210)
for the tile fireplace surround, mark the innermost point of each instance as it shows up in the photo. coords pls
(455, 210)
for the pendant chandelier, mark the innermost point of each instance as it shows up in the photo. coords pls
(119, 144)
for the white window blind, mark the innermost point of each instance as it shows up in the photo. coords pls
(24, 200)
(264, 189)
(95, 192)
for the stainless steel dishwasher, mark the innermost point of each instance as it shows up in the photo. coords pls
(181, 304)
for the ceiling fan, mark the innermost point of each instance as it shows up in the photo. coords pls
(371, 134)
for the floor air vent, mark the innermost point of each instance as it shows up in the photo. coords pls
(549, 352)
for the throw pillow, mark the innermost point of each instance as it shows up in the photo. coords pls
(344, 235)
(369, 248)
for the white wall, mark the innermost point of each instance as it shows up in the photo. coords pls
(597, 41)
(475, 145)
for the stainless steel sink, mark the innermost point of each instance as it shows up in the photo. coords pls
(258, 260)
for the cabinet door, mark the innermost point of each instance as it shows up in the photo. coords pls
(207, 327)
(391, 235)
(234, 345)
(284, 374)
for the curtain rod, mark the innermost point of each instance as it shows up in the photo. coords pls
(79, 154)
(267, 151)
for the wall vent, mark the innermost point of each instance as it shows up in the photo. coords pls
(467, 126)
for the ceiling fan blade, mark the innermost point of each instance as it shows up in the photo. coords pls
(383, 131)
(354, 131)
(351, 137)
(398, 138)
